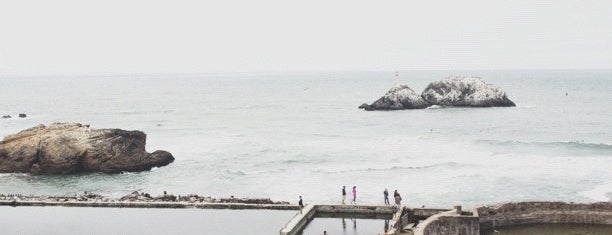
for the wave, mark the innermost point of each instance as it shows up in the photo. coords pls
(235, 172)
(574, 148)
(396, 168)
(600, 193)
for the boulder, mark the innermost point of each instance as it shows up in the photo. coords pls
(465, 91)
(67, 148)
(399, 97)
(6, 116)
(22, 115)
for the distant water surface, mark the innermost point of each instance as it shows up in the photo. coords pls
(284, 135)
(76, 220)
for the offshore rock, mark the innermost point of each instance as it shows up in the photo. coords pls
(465, 91)
(399, 97)
(68, 148)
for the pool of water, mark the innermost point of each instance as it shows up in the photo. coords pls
(551, 229)
(345, 226)
(64, 220)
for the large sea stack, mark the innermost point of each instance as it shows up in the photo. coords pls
(68, 148)
(465, 91)
(399, 97)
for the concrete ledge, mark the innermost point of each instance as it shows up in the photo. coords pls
(544, 212)
(300, 220)
(449, 222)
(238, 206)
(297, 223)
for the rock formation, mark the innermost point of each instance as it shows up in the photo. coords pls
(66, 148)
(465, 91)
(399, 97)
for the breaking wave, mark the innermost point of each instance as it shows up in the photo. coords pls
(395, 168)
(572, 148)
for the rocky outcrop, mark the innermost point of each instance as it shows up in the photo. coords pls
(399, 97)
(465, 91)
(67, 148)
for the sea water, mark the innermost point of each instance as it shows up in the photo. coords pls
(93, 221)
(280, 135)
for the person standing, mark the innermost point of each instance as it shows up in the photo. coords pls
(398, 199)
(386, 193)
(343, 193)
(354, 195)
(301, 203)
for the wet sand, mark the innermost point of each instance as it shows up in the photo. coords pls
(63, 220)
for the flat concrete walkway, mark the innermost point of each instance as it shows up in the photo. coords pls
(152, 205)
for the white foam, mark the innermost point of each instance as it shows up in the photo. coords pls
(599, 193)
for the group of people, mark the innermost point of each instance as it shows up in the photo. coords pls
(396, 196)
(354, 201)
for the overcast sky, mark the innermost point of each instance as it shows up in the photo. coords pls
(132, 36)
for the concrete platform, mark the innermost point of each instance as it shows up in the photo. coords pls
(238, 206)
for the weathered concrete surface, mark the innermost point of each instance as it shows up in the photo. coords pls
(297, 223)
(449, 222)
(123, 204)
(145, 200)
(68, 148)
(355, 209)
(544, 212)
(509, 214)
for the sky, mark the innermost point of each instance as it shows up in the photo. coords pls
(41, 37)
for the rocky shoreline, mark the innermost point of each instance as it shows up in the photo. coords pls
(137, 197)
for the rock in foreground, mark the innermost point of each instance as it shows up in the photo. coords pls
(399, 97)
(67, 148)
(465, 91)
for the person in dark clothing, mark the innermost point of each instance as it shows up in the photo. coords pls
(343, 193)
(301, 203)
(386, 193)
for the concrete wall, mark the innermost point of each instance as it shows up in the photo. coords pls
(449, 223)
(297, 223)
(152, 205)
(426, 212)
(544, 212)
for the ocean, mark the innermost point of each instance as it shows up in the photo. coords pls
(281, 135)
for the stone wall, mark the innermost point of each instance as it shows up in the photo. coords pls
(544, 212)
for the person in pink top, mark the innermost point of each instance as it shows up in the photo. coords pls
(354, 195)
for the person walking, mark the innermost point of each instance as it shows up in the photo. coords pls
(354, 195)
(343, 194)
(386, 193)
(398, 199)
